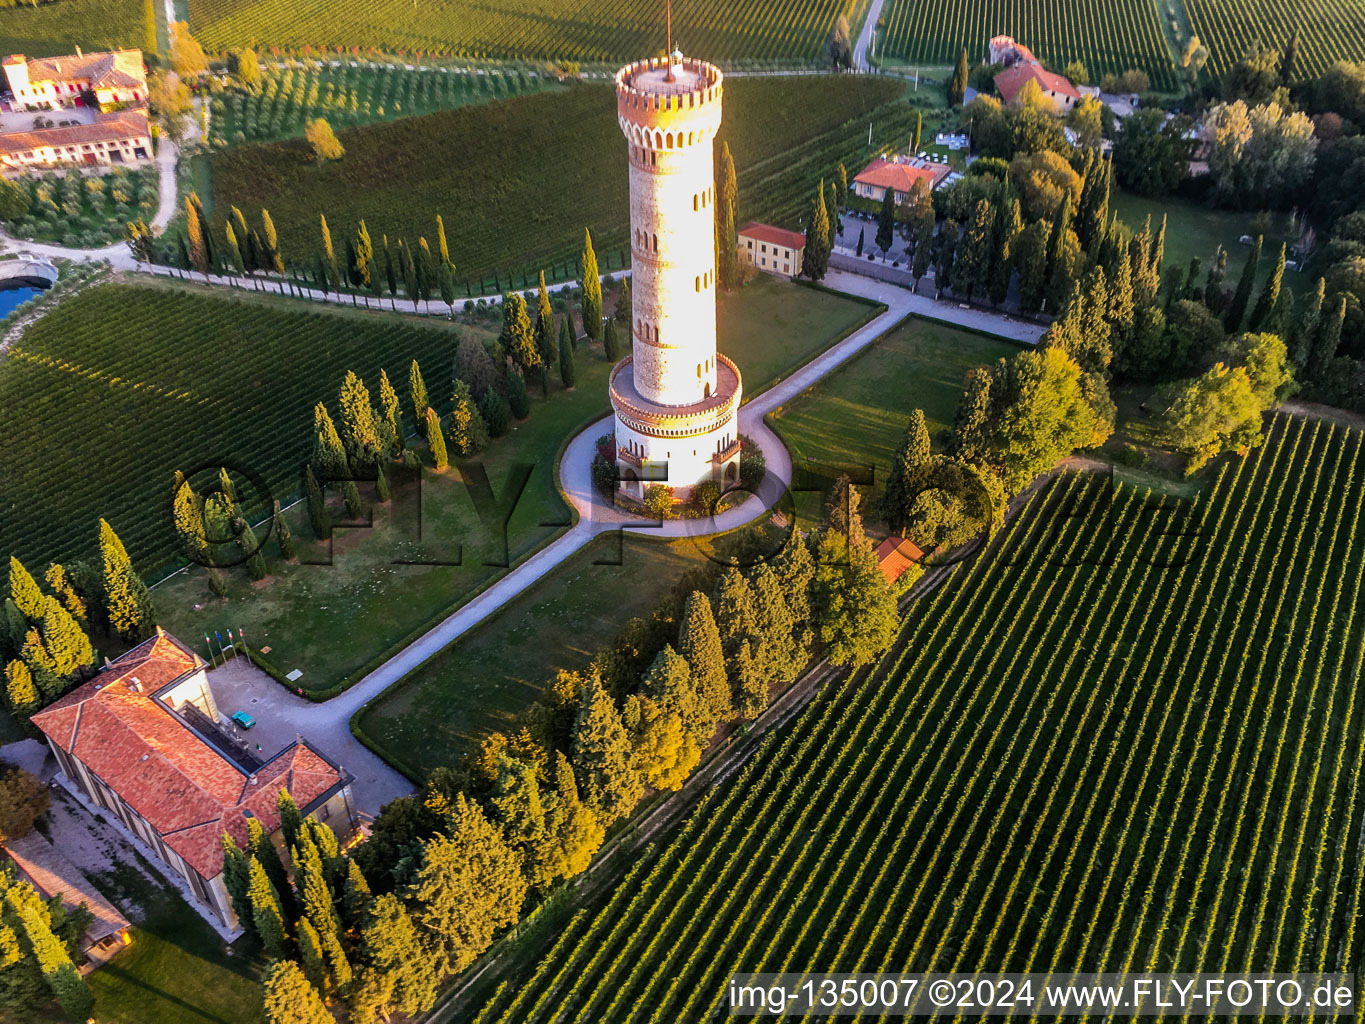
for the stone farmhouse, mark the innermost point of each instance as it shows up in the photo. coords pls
(52, 83)
(112, 139)
(1022, 67)
(143, 740)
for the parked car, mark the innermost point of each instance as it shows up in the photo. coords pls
(243, 719)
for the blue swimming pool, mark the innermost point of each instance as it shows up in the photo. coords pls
(12, 297)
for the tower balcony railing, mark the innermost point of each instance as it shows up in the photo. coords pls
(682, 420)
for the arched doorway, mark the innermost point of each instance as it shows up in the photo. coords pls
(631, 480)
(732, 471)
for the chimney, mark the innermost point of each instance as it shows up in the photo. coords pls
(136, 685)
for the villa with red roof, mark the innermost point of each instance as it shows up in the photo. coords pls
(114, 77)
(142, 740)
(899, 175)
(772, 250)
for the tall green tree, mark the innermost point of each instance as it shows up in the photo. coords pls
(65, 641)
(417, 391)
(493, 407)
(394, 432)
(318, 516)
(815, 259)
(237, 880)
(592, 290)
(1270, 294)
(1241, 298)
(20, 690)
(611, 347)
(396, 970)
(518, 338)
(699, 645)
(25, 592)
(546, 343)
(200, 238)
(266, 916)
(973, 269)
(436, 441)
(468, 886)
(957, 85)
(886, 222)
(602, 756)
(904, 481)
(726, 236)
(329, 454)
(128, 601)
(468, 432)
(566, 367)
(329, 255)
(853, 607)
(290, 998)
(365, 445)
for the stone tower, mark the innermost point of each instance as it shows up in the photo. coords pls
(675, 396)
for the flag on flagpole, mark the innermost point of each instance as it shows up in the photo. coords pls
(208, 644)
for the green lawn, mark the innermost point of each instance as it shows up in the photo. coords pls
(478, 684)
(857, 415)
(176, 970)
(1194, 229)
(332, 621)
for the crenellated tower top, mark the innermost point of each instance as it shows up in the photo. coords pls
(665, 93)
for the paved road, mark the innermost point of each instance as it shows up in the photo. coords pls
(865, 38)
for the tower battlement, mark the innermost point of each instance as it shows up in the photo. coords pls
(647, 100)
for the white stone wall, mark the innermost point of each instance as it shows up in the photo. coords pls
(676, 462)
(673, 279)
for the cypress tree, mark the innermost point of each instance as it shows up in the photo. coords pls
(815, 260)
(699, 644)
(611, 346)
(862, 233)
(329, 455)
(1006, 229)
(188, 515)
(517, 398)
(200, 243)
(237, 880)
(622, 314)
(727, 239)
(266, 915)
(290, 999)
(886, 222)
(1327, 341)
(20, 689)
(436, 442)
(32, 917)
(975, 255)
(329, 256)
(381, 485)
(1236, 312)
(906, 476)
(592, 290)
(469, 885)
(518, 338)
(545, 335)
(782, 647)
(399, 971)
(1305, 330)
(272, 242)
(417, 390)
(495, 412)
(65, 641)
(735, 615)
(566, 368)
(602, 756)
(291, 821)
(284, 537)
(1270, 294)
(750, 683)
(355, 896)
(970, 439)
(25, 592)
(441, 246)
(364, 445)
(841, 180)
(1058, 273)
(1213, 289)
(318, 517)
(130, 609)
(259, 847)
(246, 540)
(957, 86)
(468, 432)
(310, 954)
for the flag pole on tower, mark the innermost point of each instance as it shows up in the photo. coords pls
(668, 53)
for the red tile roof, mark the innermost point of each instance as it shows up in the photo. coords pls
(895, 555)
(773, 236)
(1010, 83)
(117, 68)
(899, 176)
(115, 127)
(179, 783)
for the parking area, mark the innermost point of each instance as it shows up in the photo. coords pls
(282, 717)
(25, 120)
